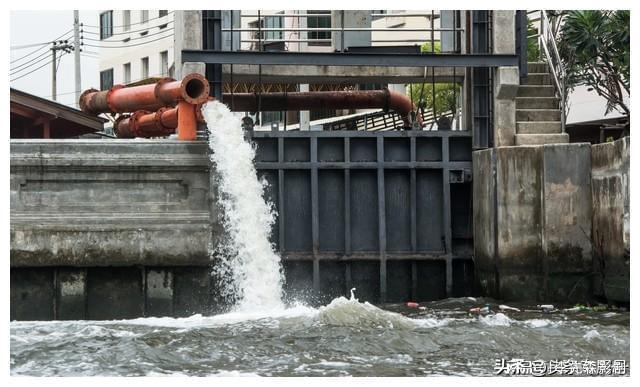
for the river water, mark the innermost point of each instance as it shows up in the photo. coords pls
(346, 337)
(265, 337)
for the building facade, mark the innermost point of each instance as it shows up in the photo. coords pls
(135, 45)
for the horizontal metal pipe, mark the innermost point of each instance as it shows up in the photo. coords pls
(193, 88)
(384, 99)
(162, 123)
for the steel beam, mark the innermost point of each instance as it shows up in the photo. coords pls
(348, 59)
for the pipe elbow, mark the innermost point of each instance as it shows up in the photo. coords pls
(402, 104)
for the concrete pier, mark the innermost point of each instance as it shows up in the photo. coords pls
(549, 225)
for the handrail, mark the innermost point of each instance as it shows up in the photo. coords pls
(546, 39)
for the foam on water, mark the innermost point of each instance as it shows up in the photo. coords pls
(248, 261)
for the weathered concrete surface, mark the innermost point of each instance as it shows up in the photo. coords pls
(532, 221)
(110, 203)
(611, 230)
(504, 124)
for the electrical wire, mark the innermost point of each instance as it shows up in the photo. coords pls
(126, 46)
(133, 24)
(31, 62)
(28, 46)
(34, 70)
(33, 52)
(129, 39)
(124, 32)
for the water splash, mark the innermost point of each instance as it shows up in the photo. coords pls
(247, 263)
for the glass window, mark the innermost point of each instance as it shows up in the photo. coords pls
(144, 16)
(106, 79)
(323, 20)
(144, 68)
(163, 12)
(106, 24)
(126, 20)
(126, 73)
(273, 22)
(164, 63)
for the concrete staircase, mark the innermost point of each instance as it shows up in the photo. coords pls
(538, 117)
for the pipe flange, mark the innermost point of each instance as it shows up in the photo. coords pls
(203, 95)
(158, 118)
(116, 126)
(156, 90)
(133, 123)
(84, 106)
(109, 93)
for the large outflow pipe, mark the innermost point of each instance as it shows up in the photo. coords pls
(161, 123)
(385, 99)
(193, 89)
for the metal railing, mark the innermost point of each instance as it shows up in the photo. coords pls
(550, 54)
(262, 31)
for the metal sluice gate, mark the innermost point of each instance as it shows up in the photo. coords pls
(388, 213)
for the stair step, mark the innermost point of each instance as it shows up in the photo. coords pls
(536, 103)
(538, 127)
(540, 139)
(537, 79)
(537, 67)
(537, 115)
(536, 91)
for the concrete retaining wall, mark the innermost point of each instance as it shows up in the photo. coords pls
(536, 202)
(110, 203)
(610, 195)
(535, 210)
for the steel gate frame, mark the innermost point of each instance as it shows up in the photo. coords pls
(452, 171)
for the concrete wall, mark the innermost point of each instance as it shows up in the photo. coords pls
(611, 231)
(551, 222)
(532, 222)
(109, 203)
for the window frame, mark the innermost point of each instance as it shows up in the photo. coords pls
(106, 31)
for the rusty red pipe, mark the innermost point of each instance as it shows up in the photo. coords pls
(385, 99)
(182, 119)
(193, 88)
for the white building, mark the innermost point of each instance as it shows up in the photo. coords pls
(135, 45)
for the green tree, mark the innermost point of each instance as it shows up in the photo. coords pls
(595, 50)
(422, 93)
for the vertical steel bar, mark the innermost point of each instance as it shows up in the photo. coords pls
(413, 193)
(314, 212)
(446, 195)
(281, 212)
(382, 229)
(414, 280)
(347, 197)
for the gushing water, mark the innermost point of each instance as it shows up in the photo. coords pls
(248, 265)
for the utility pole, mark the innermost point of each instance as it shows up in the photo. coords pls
(76, 52)
(59, 45)
(54, 80)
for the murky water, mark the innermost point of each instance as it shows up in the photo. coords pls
(263, 336)
(344, 338)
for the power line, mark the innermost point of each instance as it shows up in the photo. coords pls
(125, 32)
(33, 52)
(28, 46)
(32, 71)
(129, 39)
(127, 46)
(133, 24)
(31, 62)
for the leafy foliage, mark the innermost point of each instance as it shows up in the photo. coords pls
(595, 49)
(422, 93)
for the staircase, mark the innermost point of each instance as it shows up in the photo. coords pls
(538, 116)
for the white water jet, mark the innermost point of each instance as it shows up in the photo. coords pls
(247, 260)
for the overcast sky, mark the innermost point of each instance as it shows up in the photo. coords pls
(29, 27)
